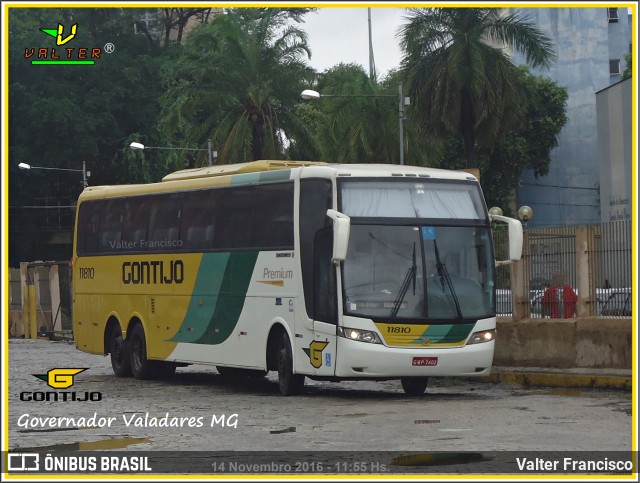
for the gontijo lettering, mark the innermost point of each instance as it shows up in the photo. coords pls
(153, 272)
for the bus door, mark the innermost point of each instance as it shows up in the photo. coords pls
(317, 352)
(322, 350)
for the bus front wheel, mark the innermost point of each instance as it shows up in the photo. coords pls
(140, 365)
(290, 383)
(414, 386)
(119, 354)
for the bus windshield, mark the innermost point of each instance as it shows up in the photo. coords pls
(452, 278)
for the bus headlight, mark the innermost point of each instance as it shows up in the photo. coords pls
(482, 336)
(359, 334)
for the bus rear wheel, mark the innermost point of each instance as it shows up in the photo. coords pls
(119, 354)
(414, 386)
(290, 383)
(140, 365)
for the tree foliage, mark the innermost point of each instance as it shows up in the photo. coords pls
(236, 79)
(62, 115)
(524, 147)
(236, 83)
(626, 74)
(460, 80)
(357, 119)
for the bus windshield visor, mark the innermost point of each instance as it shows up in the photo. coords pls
(409, 198)
(450, 273)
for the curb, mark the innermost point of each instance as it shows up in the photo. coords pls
(551, 379)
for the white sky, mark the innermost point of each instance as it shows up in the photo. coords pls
(341, 35)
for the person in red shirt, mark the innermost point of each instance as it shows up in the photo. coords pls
(559, 299)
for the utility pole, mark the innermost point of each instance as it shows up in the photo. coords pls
(372, 64)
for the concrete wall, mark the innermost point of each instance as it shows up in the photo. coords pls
(588, 342)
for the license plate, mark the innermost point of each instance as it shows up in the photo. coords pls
(424, 361)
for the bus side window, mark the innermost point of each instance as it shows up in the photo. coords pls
(111, 229)
(273, 216)
(165, 218)
(198, 219)
(136, 221)
(89, 226)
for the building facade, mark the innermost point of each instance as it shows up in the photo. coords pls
(590, 44)
(613, 107)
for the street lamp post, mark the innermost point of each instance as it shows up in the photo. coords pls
(85, 174)
(211, 154)
(525, 213)
(309, 94)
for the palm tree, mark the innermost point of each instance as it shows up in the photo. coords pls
(358, 120)
(236, 83)
(460, 79)
(354, 126)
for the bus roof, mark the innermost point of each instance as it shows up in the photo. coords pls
(220, 175)
(341, 169)
(229, 169)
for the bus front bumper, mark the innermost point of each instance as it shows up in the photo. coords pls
(365, 360)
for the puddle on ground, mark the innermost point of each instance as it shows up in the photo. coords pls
(112, 443)
(434, 459)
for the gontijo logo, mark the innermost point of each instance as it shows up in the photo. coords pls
(59, 378)
(66, 55)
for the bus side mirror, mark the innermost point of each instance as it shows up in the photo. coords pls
(341, 230)
(515, 238)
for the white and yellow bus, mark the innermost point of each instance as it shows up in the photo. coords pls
(332, 272)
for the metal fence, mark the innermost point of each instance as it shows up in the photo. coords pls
(40, 299)
(595, 261)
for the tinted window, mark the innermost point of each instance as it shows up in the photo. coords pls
(111, 227)
(199, 219)
(255, 217)
(164, 221)
(88, 227)
(243, 217)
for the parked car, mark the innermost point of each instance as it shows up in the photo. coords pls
(618, 303)
(536, 303)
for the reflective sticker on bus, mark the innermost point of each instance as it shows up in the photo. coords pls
(315, 352)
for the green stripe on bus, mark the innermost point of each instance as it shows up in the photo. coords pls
(233, 292)
(263, 177)
(219, 294)
(278, 175)
(445, 333)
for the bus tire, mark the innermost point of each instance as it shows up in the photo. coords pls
(141, 367)
(290, 383)
(414, 386)
(119, 351)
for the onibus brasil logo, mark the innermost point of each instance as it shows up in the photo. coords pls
(62, 53)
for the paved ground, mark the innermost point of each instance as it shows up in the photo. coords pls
(454, 415)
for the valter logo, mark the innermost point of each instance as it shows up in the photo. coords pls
(60, 378)
(61, 53)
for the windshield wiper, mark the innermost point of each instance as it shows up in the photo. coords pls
(443, 273)
(409, 277)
